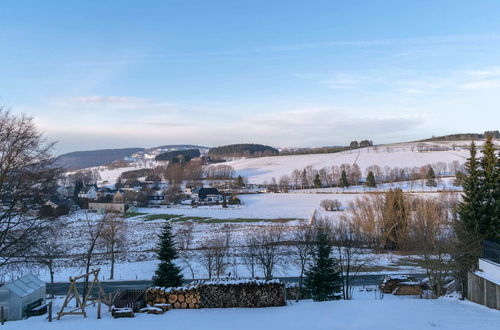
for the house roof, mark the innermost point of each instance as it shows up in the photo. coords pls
(203, 192)
(86, 189)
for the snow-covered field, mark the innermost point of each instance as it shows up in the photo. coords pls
(259, 170)
(261, 206)
(363, 312)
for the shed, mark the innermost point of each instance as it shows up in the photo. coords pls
(19, 296)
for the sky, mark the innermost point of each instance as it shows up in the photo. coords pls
(106, 74)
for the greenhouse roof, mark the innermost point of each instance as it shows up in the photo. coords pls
(25, 285)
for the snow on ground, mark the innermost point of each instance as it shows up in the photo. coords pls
(262, 206)
(363, 312)
(258, 170)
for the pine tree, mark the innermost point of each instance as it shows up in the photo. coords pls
(322, 279)
(344, 181)
(488, 179)
(431, 178)
(317, 181)
(240, 182)
(467, 226)
(78, 187)
(167, 274)
(496, 211)
(370, 180)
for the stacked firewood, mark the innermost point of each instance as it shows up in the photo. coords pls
(242, 293)
(182, 297)
(220, 294)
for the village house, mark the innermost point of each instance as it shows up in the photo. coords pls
(206, 195)
(156, 198)
(88, 192)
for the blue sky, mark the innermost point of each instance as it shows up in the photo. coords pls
(99, 74)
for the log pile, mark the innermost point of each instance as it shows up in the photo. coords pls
(182, 297)
(220, 294)
(401, 285)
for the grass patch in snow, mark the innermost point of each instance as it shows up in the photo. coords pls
(151, 217)
(133, 214)
(240, 220)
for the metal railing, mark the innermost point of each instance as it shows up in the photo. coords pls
(491, 251)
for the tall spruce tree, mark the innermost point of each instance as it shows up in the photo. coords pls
(344, 181)
(496, 215)
(167, 274)
(370, 180)
(322, 279)
(317, 181)
(467, 227)
(431, 178)
(488, 180)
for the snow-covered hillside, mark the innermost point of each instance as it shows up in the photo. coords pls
(259, 170)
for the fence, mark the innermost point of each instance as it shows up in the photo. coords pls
(483, 292)
(491, 251)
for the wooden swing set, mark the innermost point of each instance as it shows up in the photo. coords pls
(87, 297)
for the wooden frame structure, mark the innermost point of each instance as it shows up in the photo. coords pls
(86, 301)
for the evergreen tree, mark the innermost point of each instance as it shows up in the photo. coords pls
(344, 181)
(167, 274)
(240, 182)
(322, 279)
(496, 211)
(317, 181)
(370, 180)
(467, 226)
(78, 187)
(431, 178)
(488, 180)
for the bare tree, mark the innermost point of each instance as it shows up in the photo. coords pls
(92, 231)
(184, 236)
(267, 248)
(352, 256)
(331, 204)
(302, 243)
(213, 257)
(433, 240)
(249, 254)
(27, 179)
(50, 248)
(114, 235)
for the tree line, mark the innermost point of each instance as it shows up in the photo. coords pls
(347, 175)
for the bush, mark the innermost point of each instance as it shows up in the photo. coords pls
(331, 204)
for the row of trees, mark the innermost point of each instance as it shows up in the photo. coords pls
(328, 257)
(347, 175)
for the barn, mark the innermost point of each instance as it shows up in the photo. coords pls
(19, 297)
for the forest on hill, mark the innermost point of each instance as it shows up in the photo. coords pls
(243, 150)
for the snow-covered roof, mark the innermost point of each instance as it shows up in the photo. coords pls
(25, 285)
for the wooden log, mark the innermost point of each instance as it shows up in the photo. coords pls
(181, 298)
(177, 304)
(183, 305)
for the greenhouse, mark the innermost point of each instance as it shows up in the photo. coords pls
(19, 297)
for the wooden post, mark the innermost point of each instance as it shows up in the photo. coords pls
(110, 301)
(50, 311)
(99, 310)
(2, 316)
